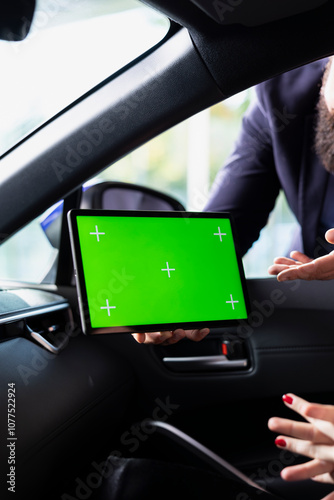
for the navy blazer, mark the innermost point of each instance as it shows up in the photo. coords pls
(274, 151)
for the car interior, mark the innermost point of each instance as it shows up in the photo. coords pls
(102, 416)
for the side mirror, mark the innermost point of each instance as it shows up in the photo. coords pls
(125, 196)
(112, 196)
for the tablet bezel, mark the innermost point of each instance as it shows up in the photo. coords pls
(80, 279)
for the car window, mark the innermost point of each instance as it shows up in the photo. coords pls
(71, 47)
(31, 254)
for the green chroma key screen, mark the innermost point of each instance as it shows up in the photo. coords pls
(147, 271)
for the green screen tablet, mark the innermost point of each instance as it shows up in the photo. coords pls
(141, 271)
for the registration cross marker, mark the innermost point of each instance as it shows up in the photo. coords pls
(168, 269)
(232, 302)
(97, 234)
(108, 307)
(219, 234)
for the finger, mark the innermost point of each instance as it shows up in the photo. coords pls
(319, 411)
(275, 269)
(300, 257)
(295, 403)
(306, 471)
(282, 263)
(197, 335)
(159, 337)
(304, 271)
(299, 430)
(320, 416)
(306, 448)
(317, 269)
(299, 405)
(152, 337)
(328, 478)
(286, 261)
(176, 336)
(330, 236)
(139, 337)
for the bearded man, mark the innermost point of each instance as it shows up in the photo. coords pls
(286, 143)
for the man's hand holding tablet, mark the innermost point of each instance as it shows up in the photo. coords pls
(170, 337)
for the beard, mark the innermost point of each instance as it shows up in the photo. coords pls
(324, 131)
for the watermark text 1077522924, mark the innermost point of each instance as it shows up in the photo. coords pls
(11, 438)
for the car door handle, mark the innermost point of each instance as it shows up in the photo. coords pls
(204, 363)
(40, 339)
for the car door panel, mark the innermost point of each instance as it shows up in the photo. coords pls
(58, 404)
(289, 347)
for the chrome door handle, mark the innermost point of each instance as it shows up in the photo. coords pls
(204, 363)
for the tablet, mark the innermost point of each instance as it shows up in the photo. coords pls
(141, 271)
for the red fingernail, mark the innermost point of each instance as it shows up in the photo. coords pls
(287, 399)
(280, 442)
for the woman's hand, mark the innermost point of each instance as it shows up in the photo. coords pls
(313, 438)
